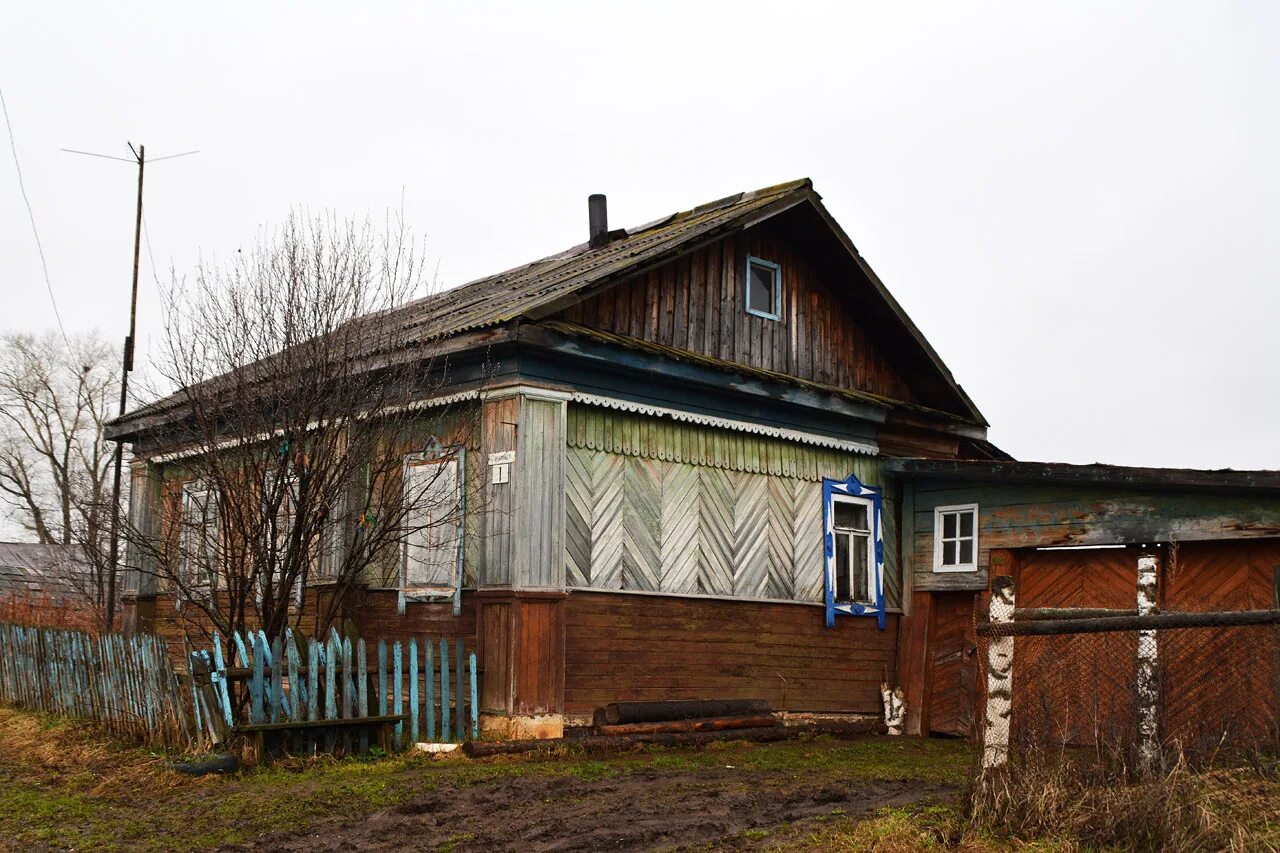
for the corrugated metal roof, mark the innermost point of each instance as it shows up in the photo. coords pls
(508, 295)
(516, 292)
(537, 290)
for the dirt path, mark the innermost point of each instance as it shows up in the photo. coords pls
(638, 811)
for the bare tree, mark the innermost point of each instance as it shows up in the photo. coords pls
(55, 465)
(305, 450)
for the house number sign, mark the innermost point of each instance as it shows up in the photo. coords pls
(500, 466)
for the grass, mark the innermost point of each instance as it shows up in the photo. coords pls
(911, 829)
(1104, 805)
(63, 785)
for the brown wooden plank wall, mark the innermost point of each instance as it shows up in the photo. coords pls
(622, 646)
(697, 303)
(371, 614)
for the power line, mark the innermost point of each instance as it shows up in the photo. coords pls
(146, 236)
(44, 265)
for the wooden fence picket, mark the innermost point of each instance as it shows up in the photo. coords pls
(413, 690)
(277, 679)
(397, 695)
(430, 679)
(362, 689)
(129, 686)
(444, 689)
(475, 705)
(459, 717)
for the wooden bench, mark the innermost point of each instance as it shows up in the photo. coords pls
(382, 726)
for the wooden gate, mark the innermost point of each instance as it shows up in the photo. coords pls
(1221, 683)
(1075, 688)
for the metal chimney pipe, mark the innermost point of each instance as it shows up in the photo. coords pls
(598, 214)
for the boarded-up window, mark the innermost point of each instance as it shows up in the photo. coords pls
(433, 524)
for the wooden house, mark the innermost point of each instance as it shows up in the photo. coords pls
(721, 461)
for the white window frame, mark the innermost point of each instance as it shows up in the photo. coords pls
(870, 533)
(445, 587)
(207, 583)
(938, 539)
(776, 270)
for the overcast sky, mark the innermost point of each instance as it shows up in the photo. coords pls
(1077, 203)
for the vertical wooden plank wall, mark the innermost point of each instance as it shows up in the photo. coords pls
(520, 627)
(538, 549)
(139, 582)
(697, 303)
(500, 420)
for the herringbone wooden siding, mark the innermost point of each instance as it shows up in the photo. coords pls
(1221, 685)
(645, 524)
(1076, 688)
(665, 506)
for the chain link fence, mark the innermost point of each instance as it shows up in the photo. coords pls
(1143, 728)
(1217, 692)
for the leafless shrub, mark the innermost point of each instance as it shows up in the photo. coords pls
(299, 421)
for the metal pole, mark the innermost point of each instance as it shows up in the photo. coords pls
(124, 399)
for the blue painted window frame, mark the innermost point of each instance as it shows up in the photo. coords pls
(851, 487)
(777, 288)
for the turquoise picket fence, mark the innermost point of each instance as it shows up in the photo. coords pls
(126, 683)
(327, 695)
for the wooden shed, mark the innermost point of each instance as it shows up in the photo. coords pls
(715, 433)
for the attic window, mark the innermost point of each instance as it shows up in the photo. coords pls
(764, 289)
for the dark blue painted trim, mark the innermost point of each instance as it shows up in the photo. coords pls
(851, 487)
(777, 288)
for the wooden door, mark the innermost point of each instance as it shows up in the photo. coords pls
(953, 663)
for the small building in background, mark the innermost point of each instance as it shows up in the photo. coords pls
(47, 585)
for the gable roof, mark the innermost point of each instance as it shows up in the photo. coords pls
(534, 289)
(539, 289)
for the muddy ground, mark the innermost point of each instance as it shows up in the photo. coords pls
(644, 810)
(65, 786)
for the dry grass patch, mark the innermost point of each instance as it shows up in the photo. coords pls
(1100, 806)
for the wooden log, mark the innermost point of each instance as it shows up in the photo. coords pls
(1161, 621)
(1037, 614)
(686, 709)
(607, 743)
(700, 724)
